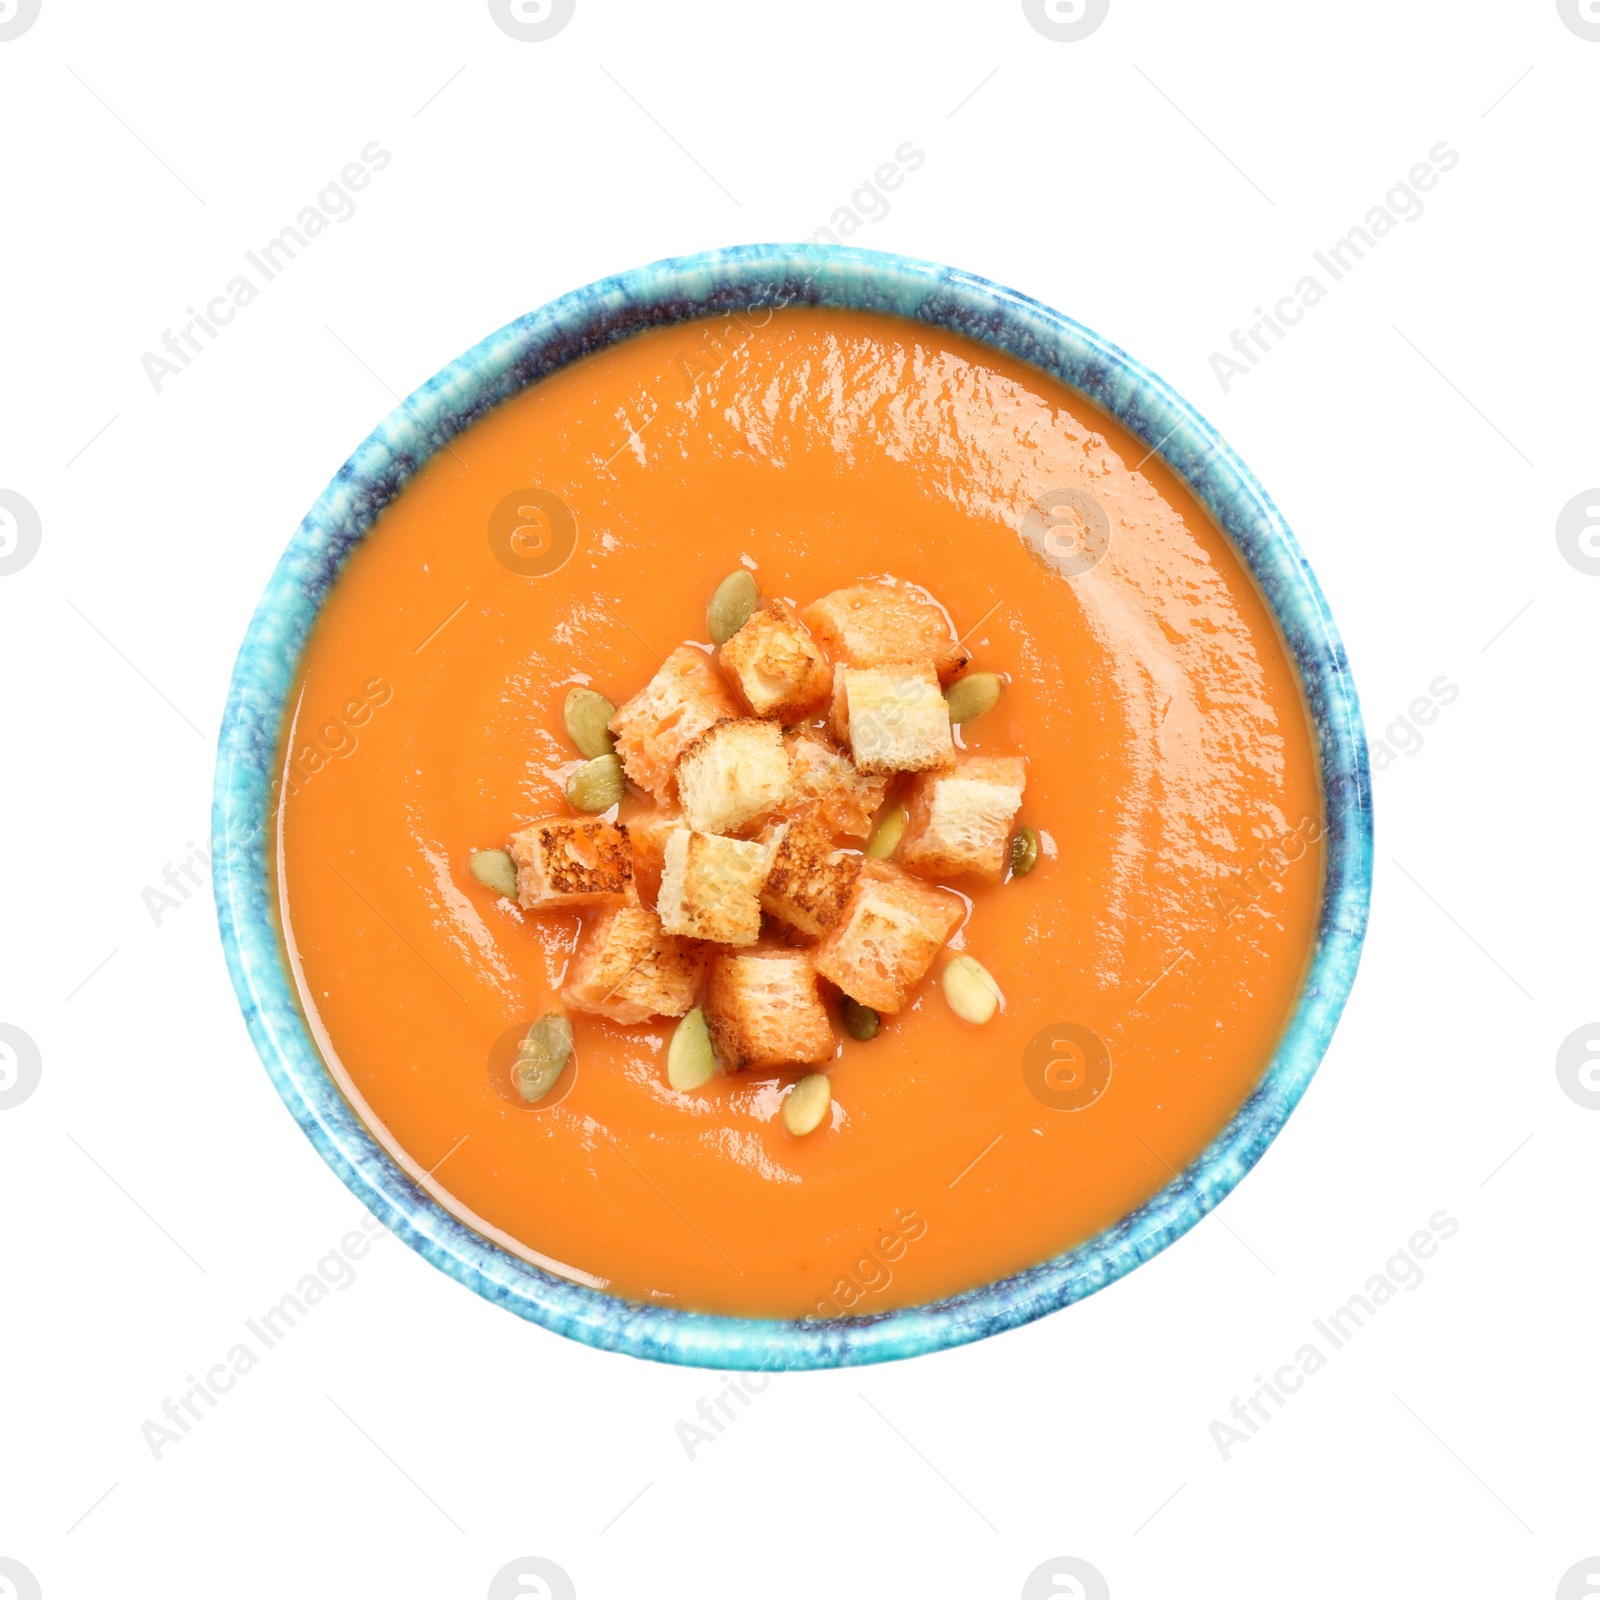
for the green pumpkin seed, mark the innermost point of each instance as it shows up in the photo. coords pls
(972, 993)
(1024, 852)
(885, 838)
(860, 1022)
(690, 1058)
(732, 606)
(806, 1107)
(598, 786)
(588, 718)
(495, 869)
(543, 1056)
(972, 695)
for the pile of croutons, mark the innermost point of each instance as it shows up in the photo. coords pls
(773, 760)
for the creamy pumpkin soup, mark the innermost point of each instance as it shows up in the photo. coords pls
(796, 814)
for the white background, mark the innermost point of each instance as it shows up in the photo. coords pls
(1421, 430)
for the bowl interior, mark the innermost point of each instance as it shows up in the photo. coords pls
(743, 279)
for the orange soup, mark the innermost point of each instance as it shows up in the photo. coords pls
(1148, 962)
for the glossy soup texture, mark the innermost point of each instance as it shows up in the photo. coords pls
(1163, 935)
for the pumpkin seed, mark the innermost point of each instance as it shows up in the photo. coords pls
(972, 695)
(690, 1057)
(495, 869)
(543, 1056)
(597, 786)
(972, 993)
(588, 718)
(732, 606)
(807, 1105)
(885, 838)
(1024, 852)
(860, 1022)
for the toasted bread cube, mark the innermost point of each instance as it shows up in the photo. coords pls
(627, 967)
(764, 1010)
(571, 861)
(872, 625)
(839, 707)
(892, 928)
(732, 774)
(776, 663)
(822, 778)
(959, 823)
(686, 696)
(648, 834)
(895, 717)
(711, 886)
(810, 881)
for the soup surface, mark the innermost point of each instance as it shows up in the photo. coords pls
(1149, 962)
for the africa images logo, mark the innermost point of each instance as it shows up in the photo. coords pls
(16, 17)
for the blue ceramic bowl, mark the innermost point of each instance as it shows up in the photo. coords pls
(564, 331)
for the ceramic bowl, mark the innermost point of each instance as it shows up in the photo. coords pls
(520, 354)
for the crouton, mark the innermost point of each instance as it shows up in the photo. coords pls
(959, 823)
(685, 697)
(648, 833)
(872, 625)
(894, 717)
(891, 929)
(764, 1010)
(809, 881)
(711, 886)
(824, 779)
(732, 774)
(776, 663)
(571, 861)
(628, 968)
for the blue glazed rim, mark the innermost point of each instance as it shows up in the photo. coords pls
(681, 289)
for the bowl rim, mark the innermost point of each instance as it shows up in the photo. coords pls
(751, 279)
